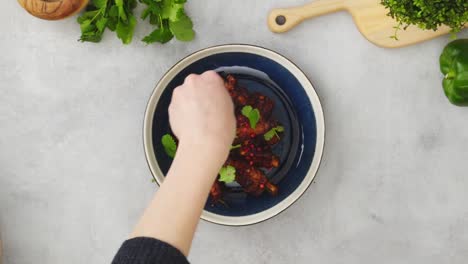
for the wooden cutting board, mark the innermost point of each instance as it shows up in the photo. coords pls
(369, 16)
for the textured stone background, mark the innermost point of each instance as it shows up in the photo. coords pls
(392, 188)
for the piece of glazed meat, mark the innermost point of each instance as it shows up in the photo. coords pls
(216, 192)
(252, 180)
(255, 152)
(264, 104)
(258, 153)
(245, 131)
(238, 94)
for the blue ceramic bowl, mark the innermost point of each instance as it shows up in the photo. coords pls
(297, 107)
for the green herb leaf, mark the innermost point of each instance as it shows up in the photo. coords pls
(227, 174)
(182, 27)
(152, 9)
(170, 20)
(146, 12)
(161, 35)
(246, 110)
(101, 24)
(112, 23)
(90, 15)
(111, 14)
(170, 9)
(125, 30)
(252, 114)
(114, 12)
(273, 132)
(155, 20)
(90, 25)
(86, 26)
(100, 3)
(122, 13)
(169, 144)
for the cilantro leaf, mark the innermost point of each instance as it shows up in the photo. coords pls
(273, 132)
(88, 15)
(100, 3)
(169, 144)
(170, 10)
(254, 117)
(170, 20)
(111, 14)
(182, 28)
(125, 30)
(101, 24)
(86, 26)
(270, 134)
(227, 174)
(113, 18)
(252, 114)
(122, 13)
(246, 110)
(162, 35)
(92, 25)
(114, 11)
(146, 12)
(155, 20)
(153, 8)
(112, 24)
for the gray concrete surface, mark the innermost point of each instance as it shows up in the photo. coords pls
(392, 188)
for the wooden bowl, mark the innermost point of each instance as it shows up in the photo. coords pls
(53, 9)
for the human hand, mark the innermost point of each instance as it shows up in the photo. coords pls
(201, 114)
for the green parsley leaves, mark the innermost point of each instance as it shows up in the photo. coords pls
(169, 144)
(227, 174)
(273, 132)
(116, 15)
(169, 18)
(252, 114)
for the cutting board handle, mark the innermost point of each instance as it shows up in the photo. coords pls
(284, 19)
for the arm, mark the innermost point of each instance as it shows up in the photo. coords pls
(173, 214)
(202, 117)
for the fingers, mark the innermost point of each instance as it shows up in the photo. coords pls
(191, 79)
(210, 76)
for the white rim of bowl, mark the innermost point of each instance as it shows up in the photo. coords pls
(316, 106)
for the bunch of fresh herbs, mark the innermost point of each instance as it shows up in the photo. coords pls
(168, 17)
(428, 14)
(116, 15)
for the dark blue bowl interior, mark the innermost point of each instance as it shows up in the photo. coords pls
(293, 108)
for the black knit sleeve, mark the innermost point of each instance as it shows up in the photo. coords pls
(145, 250)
